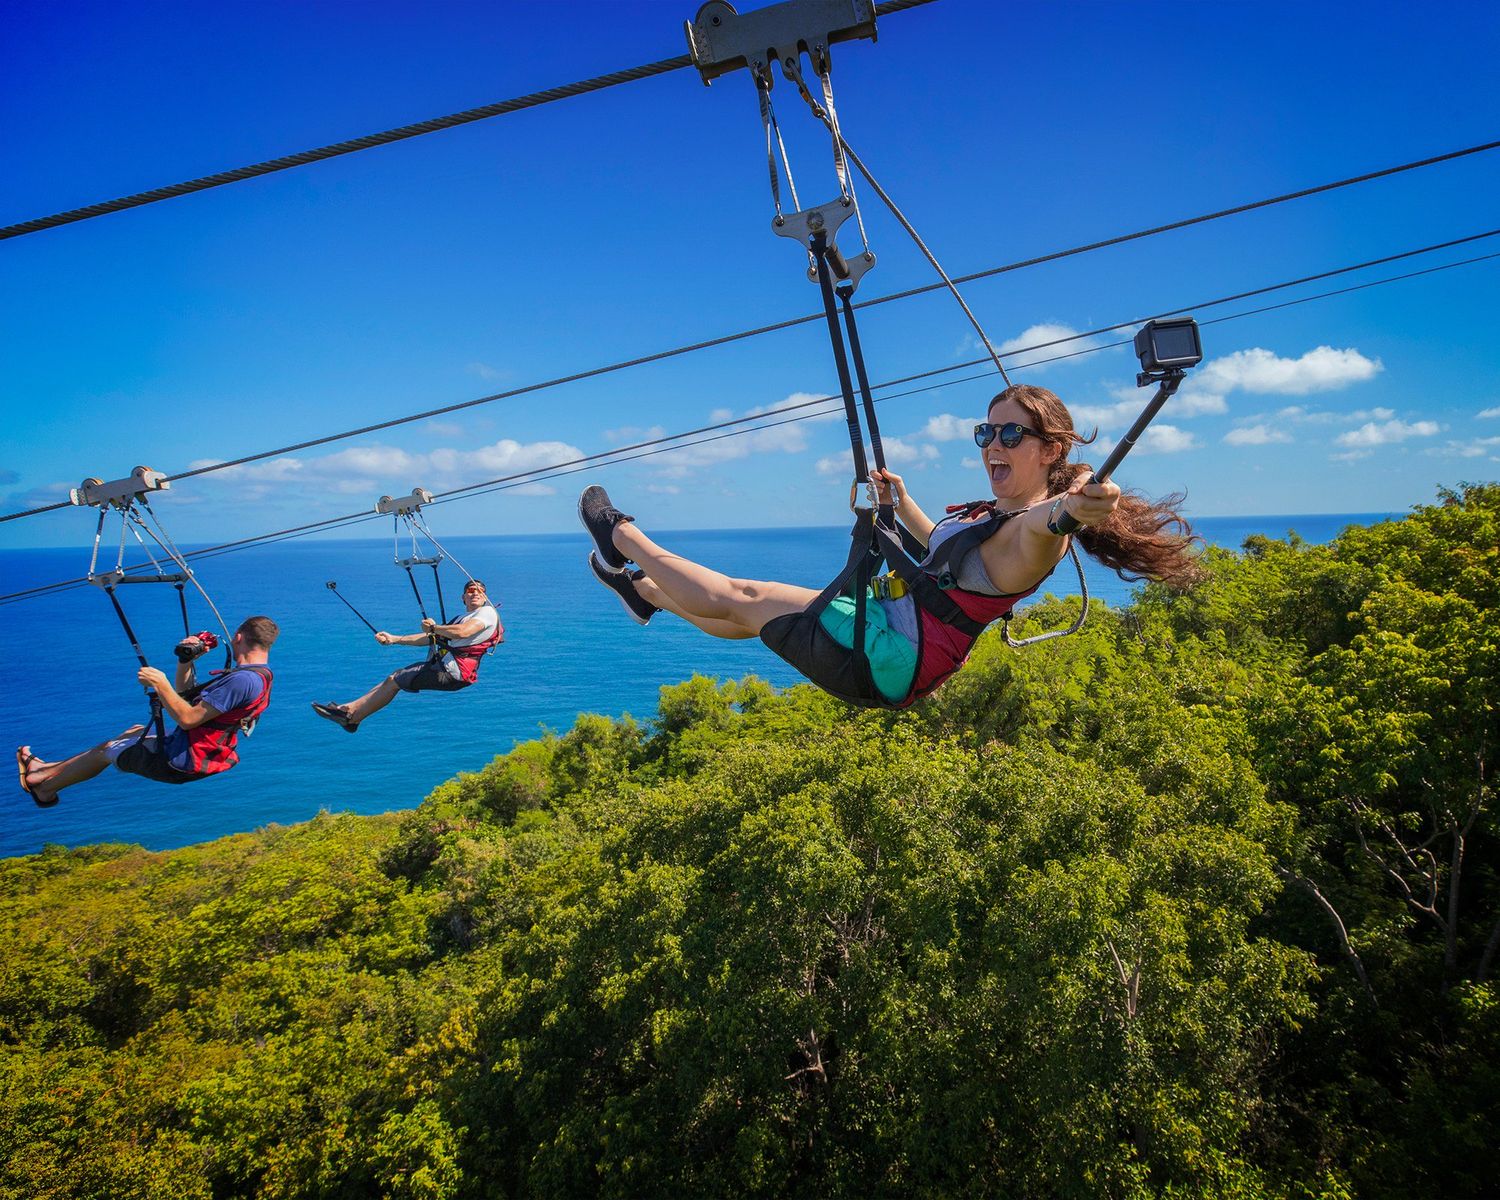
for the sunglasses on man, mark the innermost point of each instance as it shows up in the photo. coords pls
(1010, 434)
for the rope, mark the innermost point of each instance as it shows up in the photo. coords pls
(802, 320)
(657, 445)
(270, 166)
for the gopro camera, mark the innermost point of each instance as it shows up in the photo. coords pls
(1165, 346)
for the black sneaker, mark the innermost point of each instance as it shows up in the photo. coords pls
(600, 517)
(622, 584)
(338, 714)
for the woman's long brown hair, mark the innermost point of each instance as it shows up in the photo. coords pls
(1141, 539)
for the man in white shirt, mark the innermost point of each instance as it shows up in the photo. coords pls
(453, 664)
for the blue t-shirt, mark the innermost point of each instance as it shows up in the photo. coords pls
(229, 691)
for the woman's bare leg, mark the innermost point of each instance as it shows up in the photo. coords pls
(698, 593)
(729, 630)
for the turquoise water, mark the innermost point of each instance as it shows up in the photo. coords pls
(569, 649)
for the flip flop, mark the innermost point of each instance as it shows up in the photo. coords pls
(337, 714)
(24, 759)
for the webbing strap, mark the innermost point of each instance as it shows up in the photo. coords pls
(846, 295)
(819, 249)
(924, 592)
(156, 710)
(854, 581)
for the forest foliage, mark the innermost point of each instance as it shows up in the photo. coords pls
(1204, 901)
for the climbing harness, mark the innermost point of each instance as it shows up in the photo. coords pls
(721, 40)
(128, 499)
(424, 550)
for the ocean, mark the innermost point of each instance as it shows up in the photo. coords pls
(569, 649)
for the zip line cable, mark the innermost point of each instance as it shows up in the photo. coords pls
(401, 133)
(693, 347)
(656, 446)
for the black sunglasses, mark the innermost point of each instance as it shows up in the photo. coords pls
(1010, 434)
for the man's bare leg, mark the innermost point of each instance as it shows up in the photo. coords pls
(46, 779)
(372, 701)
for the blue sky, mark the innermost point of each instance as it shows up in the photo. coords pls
(602, 228)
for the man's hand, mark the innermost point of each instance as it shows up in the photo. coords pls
(150, 677)
(190, 648)
(384, 638)
(428, 625)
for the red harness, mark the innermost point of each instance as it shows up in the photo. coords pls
(468, 657)
(211, 746)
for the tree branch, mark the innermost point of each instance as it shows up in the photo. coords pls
(1338, 924)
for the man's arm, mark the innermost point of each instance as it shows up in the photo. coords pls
(189, 716)
(459, 629)
(401, 639)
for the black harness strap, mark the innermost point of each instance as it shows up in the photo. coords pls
(846, 295)
(156, 709)
(854, 580)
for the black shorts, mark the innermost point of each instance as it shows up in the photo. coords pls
(800, 639)
(427, 676)
(141, 759)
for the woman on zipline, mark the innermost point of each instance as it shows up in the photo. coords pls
(913, 642)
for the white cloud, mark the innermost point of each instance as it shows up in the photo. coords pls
(1040, 340)
(1158, 439)
(487, 372)
(803, 404)
(1104, 415)
(945, 427)
(1491, 412)
(367, 470)
(1194, 399)
(1477, 448)
(444, 428)
(903, 452)
(1386, 433)
(634, 433)
(1256, 435)
(36, 497)
(1323, 369)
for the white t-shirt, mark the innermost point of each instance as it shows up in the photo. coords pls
(490, 622)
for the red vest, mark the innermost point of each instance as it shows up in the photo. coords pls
(467, 657)
(211, 746)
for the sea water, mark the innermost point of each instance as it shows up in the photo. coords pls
(569, 649)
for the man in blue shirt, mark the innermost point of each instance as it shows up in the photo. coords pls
(209, 720)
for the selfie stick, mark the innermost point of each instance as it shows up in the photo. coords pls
(333, 587)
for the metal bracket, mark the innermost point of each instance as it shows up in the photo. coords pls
(403, 505)
(825, 219)
(418, 561)
(119, 493)
(109, 579)
(721, 40)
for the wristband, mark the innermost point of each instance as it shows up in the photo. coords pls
(1052, 517)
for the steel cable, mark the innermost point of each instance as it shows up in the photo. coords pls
(657, 445)
(795, 321)
(368, 141)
